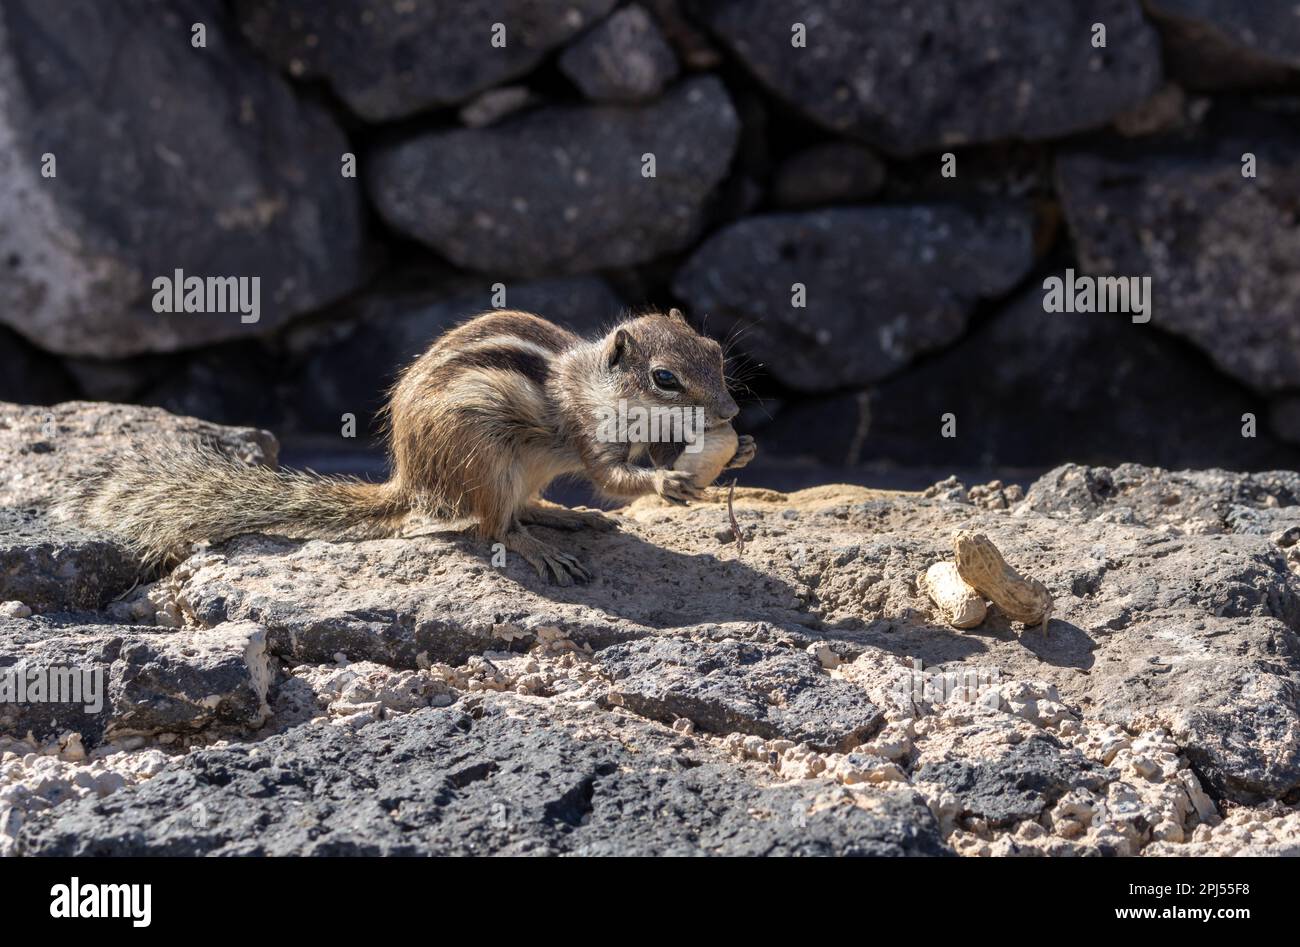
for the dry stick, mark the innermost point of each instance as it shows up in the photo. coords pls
(128, 591)
(731, 515)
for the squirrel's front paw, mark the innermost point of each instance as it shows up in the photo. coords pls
(676, 486)
(745, 451)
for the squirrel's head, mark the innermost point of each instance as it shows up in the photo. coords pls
(659, 359)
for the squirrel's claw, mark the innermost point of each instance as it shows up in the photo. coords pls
(677, 486)
(746, 448)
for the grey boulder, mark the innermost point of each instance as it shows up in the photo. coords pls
(623, 59)
(389, 60)
(881, 285)
(561, 190)
(912, 78)
(502, 776)
(132, 681)
(168, 157)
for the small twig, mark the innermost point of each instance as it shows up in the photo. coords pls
(731, 515)
(128, 591)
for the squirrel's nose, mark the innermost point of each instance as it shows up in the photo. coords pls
(727, 410)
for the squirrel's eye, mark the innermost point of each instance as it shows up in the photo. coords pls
(665, 379)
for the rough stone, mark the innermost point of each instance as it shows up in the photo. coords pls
(560, 189)
(146, 680)
(1266, 31)
(52, 566)
(45, 447)
(1020, 784)
(435, 594)
(193, 160)
(488, 108)
(735, 687)
(914, 78)
(838, 172)
(623, 59)
(931, 264)
(376, 54)
(509, 776)
(1054, 374)
(798, 695)
(1231, 287)
(1191, 501)
(1166, 624)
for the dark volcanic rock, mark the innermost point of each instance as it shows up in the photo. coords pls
(133, 680)
(508, 777)
(623, 59)
(1165, 686)
(1202, 500)
(1201, 57)
(836, 172)
(490, 107)
(387, 60)
(1020, 785)
(911, 77)
(1221, 249)
(1264, 32)
(561, 189)
(195, 159)
(883, 284)
(735, 687)
(1046, 379)
(56, 567)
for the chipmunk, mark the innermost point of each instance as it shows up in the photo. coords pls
(477, 427)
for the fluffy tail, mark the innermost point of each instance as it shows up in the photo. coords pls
(161, 500)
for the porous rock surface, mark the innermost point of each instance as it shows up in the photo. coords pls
(563, 189)
(812, 315)
(376, 54)
(1217, 284)
(47, 563)
(799, 696)
(167, 156)
(912, 78)
(44, 447)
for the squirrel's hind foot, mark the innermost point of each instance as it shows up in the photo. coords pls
(564, 569)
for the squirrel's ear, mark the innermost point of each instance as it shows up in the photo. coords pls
(616, 346)
(675, 313)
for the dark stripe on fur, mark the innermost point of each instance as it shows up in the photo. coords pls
(521, 325)
(536, 368)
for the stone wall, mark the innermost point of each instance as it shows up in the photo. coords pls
(798, 207)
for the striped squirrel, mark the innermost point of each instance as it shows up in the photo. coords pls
(477, 426)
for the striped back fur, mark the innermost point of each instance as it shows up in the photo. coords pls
(477, 426)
